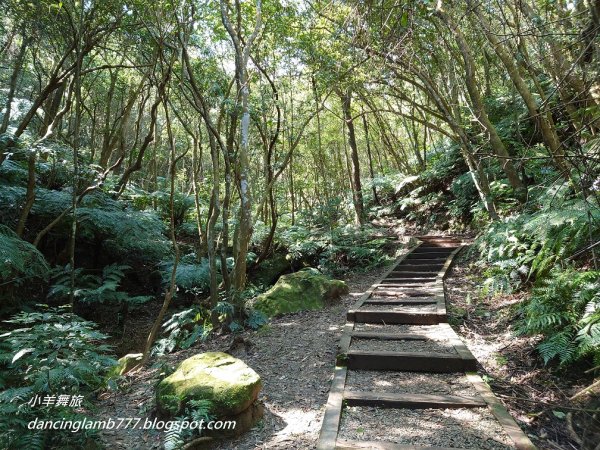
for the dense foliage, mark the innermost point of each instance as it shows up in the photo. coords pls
(48, 353)
(189, 153)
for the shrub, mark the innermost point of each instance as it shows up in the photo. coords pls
(19, 260)
(183, 329)
(526, 247)
(565, 309)
(192, 277)
(95, 289)
(52, 352)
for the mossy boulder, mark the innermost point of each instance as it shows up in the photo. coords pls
(305, 290)
(125, 364)
(229, 384)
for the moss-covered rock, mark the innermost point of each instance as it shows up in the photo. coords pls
(229, 384)
(125, 364)
(307, 289)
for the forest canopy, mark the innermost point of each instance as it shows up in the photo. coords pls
(170, 159)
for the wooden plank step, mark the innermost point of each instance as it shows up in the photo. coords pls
(427, 250)
(421, 259)
(419, 268)
(389, 336)
(399, 292)
(409, 280)
(411, 401)
(414, 273)
(394, 285)
(407, 361)
(432, 249)
(343, 444)
(333, 411)
(401, 301)
(396, 317)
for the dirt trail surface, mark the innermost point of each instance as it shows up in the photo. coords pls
(536, 395)
(294, 355)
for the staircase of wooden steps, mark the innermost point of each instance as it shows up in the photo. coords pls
(398, 330)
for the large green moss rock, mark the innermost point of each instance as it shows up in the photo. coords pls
(229, 384)
(307, 289)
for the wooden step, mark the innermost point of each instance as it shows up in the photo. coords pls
(411, 401)
(343, 444)
(438, 257)
(434, 249)
(413, 273)
(408, 280)
(401, 301)
(396, 317)
(419, 267)
(405, 291)
(389, 336)
(408, 361)
(423, 259)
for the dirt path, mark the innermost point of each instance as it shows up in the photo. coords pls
(294, 356)
(534, 394)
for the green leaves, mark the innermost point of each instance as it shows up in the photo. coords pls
(20, 262)
(48, 351)
(565, 309)
(184, 329)
(94, 289)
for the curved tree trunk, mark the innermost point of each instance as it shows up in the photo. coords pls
(479, 108)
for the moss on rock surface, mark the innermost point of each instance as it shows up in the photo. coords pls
(229, 384)
(307, 289)
(125, 364)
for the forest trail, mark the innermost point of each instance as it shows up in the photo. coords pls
(403, 375)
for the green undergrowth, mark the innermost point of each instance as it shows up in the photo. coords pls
(542, 251)
(49, 353)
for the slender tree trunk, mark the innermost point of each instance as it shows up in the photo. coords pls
(12, 84)
(371, 171)
(29, 197)
(544, 119)
(479, 107)
(211, 237)
(201, 233)
(242, 52)
(357, 194)
(170, 293)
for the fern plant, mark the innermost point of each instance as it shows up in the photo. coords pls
(47, 352)
(527, 247)
(95, 289)
(195, 410)
(20, 262)
(565, 309)
(192, 276)
(183, 329)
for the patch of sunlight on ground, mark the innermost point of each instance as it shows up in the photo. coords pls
(298, 422)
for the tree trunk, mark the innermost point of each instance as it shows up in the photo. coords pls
(544, 119)
(357, 195)
(29, 197)
(12, 85)
(479, 108)
(242, 54)
(371, 171)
